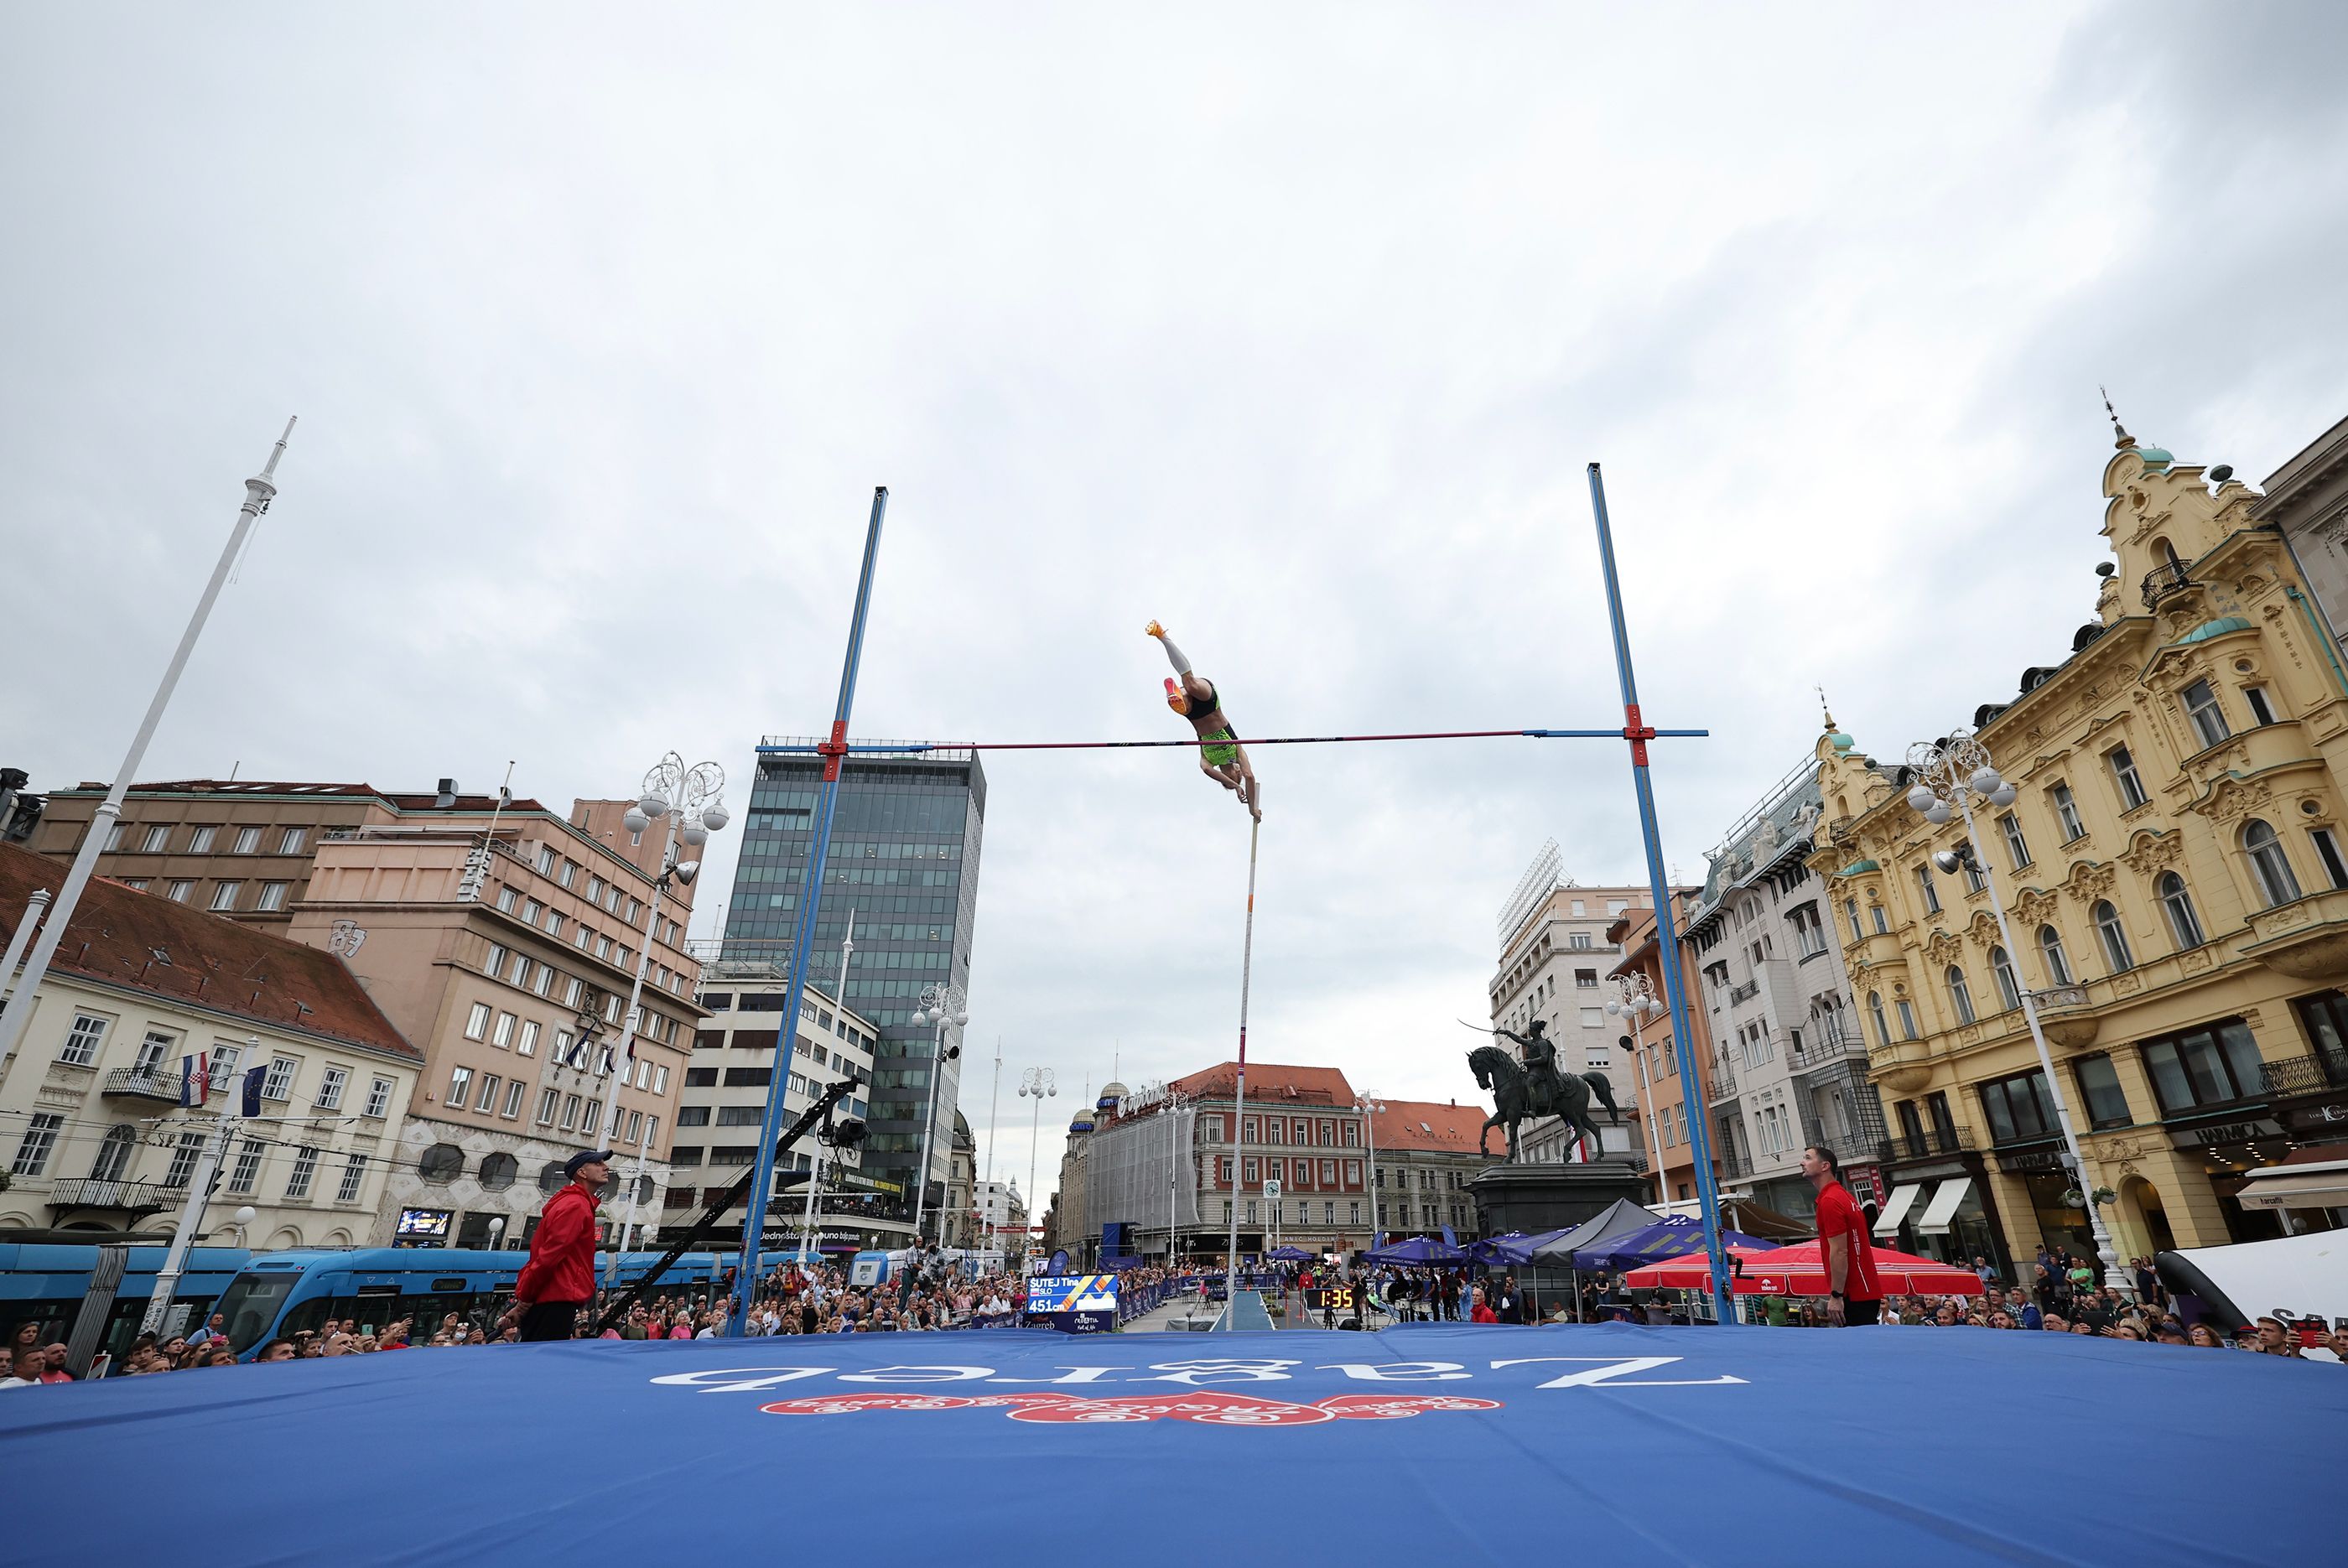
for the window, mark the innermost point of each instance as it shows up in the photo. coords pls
(547, 1102)
(570, 873)
(38, 1140)
(331, 1086)
(1875, 1008)
(1907, 1017)
(2327, 850)
(290, 841)
(1593, 1018)
(224, 1060)
(2001, 968)
(279, 1082)
(2019, 1107)
(151, 1051)
(570, 1112)
(1585, 979)
(354, 1173)
(1810, 932)
(183, 1160)
(1249, 1174)
(1931, 890)
(2178, 904)
(2066, 811)
(2132, 793)
(113, 1154)
(248, 840)
(2261, 706)
(1976, 879)
(224, 894)
(272, 895)
(306, 1171)
(643, 1072)
(82, 1040)
(2115, 938)
(180, 891)
(2050, 948)
(546, 857)
(114, 836)
(378, 1099)
(1960, 997)
(530, 909)
(2207, 1065)
(460, 1087)
(591, 1116)
(660, 1079)
(156, 842)
(1580, 940)
(477, 1024)
(1850, 907)
(488, 1099)
(2017, 849)
(245, 1174)
(2277, 885)
(2099, 1085)
(502, 1035)
(2208, 719)
(495, 967)
(1875, 917)
(507, 898)
(526, 1043)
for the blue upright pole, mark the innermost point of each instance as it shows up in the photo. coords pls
(1638, 734)
(762, 1177)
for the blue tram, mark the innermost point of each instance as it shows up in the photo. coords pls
(44, 1282)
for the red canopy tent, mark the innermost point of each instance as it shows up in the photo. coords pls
(1796, 1270)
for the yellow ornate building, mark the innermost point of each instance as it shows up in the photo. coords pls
(2173, 873)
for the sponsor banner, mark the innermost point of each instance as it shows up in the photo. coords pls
(1074, 1303)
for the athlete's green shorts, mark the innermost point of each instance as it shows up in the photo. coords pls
(1217, 749)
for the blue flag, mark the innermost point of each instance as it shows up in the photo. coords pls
(1448, 1239)
(254, 1077)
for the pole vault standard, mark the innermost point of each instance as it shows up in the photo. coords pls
(1238, 1095)
(1635, 731)
(762, 1174)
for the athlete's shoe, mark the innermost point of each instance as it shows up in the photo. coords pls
(1154, 629)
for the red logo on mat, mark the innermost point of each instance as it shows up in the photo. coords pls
(1203, 1405)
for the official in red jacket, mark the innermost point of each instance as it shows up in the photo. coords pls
(559, 1277)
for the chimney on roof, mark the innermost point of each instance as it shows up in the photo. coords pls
(447, 796)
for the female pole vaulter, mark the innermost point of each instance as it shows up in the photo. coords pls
(1221, 756)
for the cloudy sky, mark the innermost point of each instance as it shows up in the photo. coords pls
(1295, 331)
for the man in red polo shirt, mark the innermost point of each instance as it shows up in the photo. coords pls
(559, 1277)
(1853, 1296)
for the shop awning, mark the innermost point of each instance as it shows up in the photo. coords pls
(2311, 1186)
(1943, 1206)
(1903, 1199)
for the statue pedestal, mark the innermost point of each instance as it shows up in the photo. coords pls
(1535, 1198)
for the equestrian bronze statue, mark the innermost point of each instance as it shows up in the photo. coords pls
(1537, 1088)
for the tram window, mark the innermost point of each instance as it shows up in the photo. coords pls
(306, 1318)
(250, 1305)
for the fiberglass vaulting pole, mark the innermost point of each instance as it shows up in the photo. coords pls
(1238, 1095)
(1635, 731)
(762, 1179)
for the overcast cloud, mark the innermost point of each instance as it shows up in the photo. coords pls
(1293, 327)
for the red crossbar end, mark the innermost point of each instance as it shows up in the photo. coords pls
(1637, 733)
(833, 751)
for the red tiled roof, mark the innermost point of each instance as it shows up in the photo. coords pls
(1271, 1084)
(1424, 1125)
(126, 937)
(239, 787)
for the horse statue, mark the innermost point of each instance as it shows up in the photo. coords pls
(1520, 1096)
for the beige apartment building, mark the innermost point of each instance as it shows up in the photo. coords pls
(1556, 954)
(92, 1121)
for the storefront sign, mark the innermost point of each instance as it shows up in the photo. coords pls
(2031, 1159)
(2220, 1133)
(2326, 1118)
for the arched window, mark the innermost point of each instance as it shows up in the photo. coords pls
(2178, 904)
(2268, 864)
(114, 1153)
(1959, 997)
(2115, 938)
(2050, 947)
(1882, 1026)
(2009, 989)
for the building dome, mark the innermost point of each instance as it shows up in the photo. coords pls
(1841, 741)
(1111, 1093)
(2155, 457)
(1081, 1125)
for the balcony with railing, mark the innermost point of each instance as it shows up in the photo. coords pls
(1743, 992)
(1735, 1165)
(1720, 1086)
(1824, 1052)
(91, 1192)
(2164, 581)
(2307, 1075)
(1926, 1144)
(138, 1083)
(2065, 1014)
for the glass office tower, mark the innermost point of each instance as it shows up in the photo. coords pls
(904, 857)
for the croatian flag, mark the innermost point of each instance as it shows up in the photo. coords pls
(195, 1079)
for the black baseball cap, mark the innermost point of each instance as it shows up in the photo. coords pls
(602, 1157)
